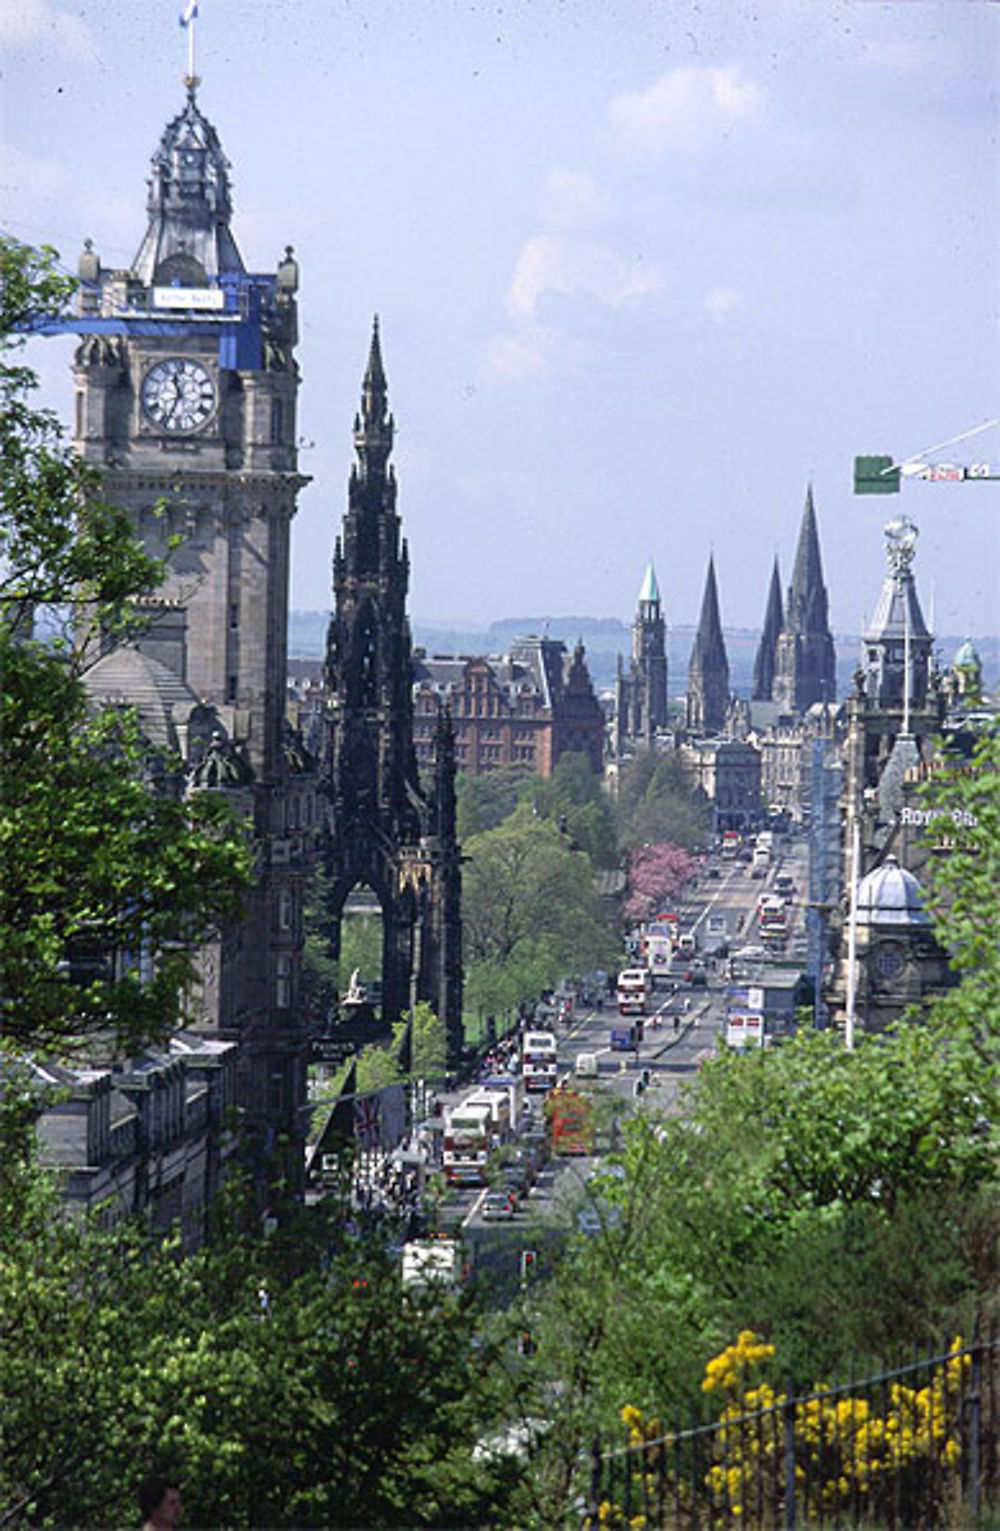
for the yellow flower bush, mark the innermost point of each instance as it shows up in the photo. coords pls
(845, 1447)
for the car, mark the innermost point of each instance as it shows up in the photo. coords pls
(714, 872)
(497, 1206)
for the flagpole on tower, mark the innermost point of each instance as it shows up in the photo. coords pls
(187, 21)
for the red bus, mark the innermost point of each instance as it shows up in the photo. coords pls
(570, 1116)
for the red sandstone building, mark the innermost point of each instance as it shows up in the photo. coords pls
(525, 709)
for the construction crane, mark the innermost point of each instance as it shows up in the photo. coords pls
(883, 475)
(232, 309)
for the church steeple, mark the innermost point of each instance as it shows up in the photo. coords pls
(807, 604)
(188, 239)
(805, 665)
(763, 669)
(708, 673)
(648, 677)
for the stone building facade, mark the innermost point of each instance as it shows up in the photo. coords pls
(526, 708)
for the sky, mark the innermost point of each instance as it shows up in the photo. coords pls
(643, 270)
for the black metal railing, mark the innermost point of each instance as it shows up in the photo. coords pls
(907, 1449)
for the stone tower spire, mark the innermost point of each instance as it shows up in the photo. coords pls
(708, 673)
(805, 666)
(649, 657)
(763, 668)
(188, 238)
(384, 830)
(897, 643)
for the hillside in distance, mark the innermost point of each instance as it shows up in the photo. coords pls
(605, 638)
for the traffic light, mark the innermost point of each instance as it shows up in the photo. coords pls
(875, 475)
(525, 1343)
(527, 1264)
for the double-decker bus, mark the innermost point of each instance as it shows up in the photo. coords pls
(570, 1115)
(468, 1141)
(634, 989)
(539, 1063)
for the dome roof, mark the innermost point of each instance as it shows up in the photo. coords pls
(127, 677)
(890, 895)
(968, 655)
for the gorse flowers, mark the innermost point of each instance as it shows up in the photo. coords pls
(847, 1453)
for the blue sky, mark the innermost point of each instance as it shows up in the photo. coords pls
(643, 270)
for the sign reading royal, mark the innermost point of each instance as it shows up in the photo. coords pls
(922, 818)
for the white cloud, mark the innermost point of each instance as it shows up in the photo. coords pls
(687, 111)
(721, 301)
(550, 264)
(571, 198)
(518, 357)
(535, 351)
(30, 23)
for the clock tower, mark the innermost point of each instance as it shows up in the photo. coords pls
(186, 388)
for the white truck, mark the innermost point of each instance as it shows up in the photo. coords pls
(659, 950)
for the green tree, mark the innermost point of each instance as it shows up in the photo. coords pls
(963, 884)
(658, 803)
(576, 800)
(291, 1382)
(530, 912)
(483, 802)
(98, 864)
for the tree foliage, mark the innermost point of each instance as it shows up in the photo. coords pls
(108, 882)
(655, 874)
(658, 803)
(530, 911)
(284, 1388)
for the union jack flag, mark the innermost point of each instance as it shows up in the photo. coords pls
(368, 1121)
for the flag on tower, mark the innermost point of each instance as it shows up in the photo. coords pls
(190, 12)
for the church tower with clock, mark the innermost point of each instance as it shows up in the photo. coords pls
(186, 388)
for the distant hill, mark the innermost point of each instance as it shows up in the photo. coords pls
(604, 639)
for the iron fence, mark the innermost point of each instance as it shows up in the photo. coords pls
(907, 1449)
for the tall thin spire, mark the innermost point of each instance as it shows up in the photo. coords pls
(649, 593)
(805, 665)
(763, 669)
(374, 427)
(807, 606)
(708, 673)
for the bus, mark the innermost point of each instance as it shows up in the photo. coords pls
(634, 988)
(570, 1115)
(468, 1141)
(730, 844)
(539, 1063)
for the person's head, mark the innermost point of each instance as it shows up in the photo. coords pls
(160, 1501)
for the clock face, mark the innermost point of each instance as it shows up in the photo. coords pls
(178, 395)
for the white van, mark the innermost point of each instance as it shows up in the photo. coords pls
(587, 1066)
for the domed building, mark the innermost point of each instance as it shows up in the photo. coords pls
(966, 676)
(899, 961)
